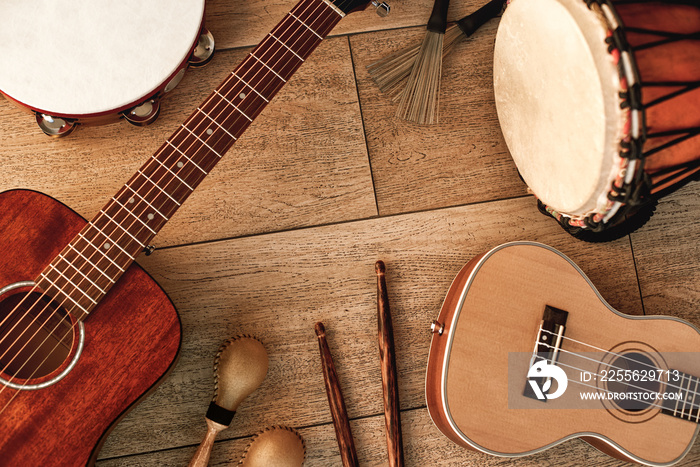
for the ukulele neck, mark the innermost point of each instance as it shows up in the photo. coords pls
(87, 268)
(686, 387)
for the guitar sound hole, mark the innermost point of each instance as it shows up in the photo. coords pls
(36, 335)
(637, 389)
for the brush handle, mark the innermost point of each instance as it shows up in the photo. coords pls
(438, 18)
(470, 23)
(390, 386)
(201, 457)
(346, 444)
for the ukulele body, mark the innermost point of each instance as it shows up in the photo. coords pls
(495, 308)
(131, 340)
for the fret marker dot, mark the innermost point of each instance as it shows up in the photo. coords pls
(151, 217)
(180, 165)
(242, 95)
(106, 246)
(131, 200)
(209, 131)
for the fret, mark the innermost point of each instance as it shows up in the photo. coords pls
(216, 123)
(267, 66)
(286, 46)
(685, 399)
(334, 8)
(692, 404)
(234, 106)
(173, 173)
(307, 27)
(62, 292)
(675, 407)
(101, 252)
(109, 243)
(146, 201)
(251, 87)
(94, 266)
(134, 215)
(142, 245)
(82, 274)
(202, 141)
(68, 281)
(157, 186)
(187, 157)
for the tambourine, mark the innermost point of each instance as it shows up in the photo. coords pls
(92, 62)
(598, 102)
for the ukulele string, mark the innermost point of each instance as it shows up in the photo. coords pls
(692, 406)
(610, 366)
(226, 82)
(653, 367)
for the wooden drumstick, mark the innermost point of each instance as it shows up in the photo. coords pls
(390, 385)
(240, 367)
(335, 399)
(277, 446)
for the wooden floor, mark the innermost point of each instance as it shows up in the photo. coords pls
(286, 230)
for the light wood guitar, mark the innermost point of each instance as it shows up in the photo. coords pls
(523, 308)
(84, 332)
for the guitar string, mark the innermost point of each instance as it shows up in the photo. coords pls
(693, 405)
(653, 367)
(227, 82)
(238, 119)
(609, 366)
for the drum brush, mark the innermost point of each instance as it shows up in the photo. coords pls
(239, 369)
(391, 72)
(419, 99)
(277, 446)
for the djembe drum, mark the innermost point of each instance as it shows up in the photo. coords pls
(599, 103)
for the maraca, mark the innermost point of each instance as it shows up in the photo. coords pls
(277, 446)
(239, 368)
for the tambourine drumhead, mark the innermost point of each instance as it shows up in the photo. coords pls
(85, 57)
(556, 89)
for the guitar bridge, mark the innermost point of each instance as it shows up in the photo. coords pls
(549, 338)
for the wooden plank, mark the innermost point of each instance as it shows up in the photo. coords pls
(667, 254)
(277, 286)
(237, 24)
(303, 162)
(463, 159)
(424, 445)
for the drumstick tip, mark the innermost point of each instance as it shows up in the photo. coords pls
(320, 329)
(379, 267)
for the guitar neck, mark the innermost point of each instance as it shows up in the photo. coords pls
(87, 268)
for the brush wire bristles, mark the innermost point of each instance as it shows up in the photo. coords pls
(391, 72)
(419, 100)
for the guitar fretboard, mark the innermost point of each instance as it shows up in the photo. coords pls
(88, 267)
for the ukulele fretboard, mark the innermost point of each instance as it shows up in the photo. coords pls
(686, 406)
(87, 268)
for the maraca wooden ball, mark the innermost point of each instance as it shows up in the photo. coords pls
(240, 367)
(277, 446)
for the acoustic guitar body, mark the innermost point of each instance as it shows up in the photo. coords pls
(131, 340)
(477, 392)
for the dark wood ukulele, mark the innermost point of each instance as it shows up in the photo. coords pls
(84, 332)
(641, 374)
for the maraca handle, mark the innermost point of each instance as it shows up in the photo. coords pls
(201, 457)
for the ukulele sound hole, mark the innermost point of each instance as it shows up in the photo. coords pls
(36, 335)
(634, 376)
